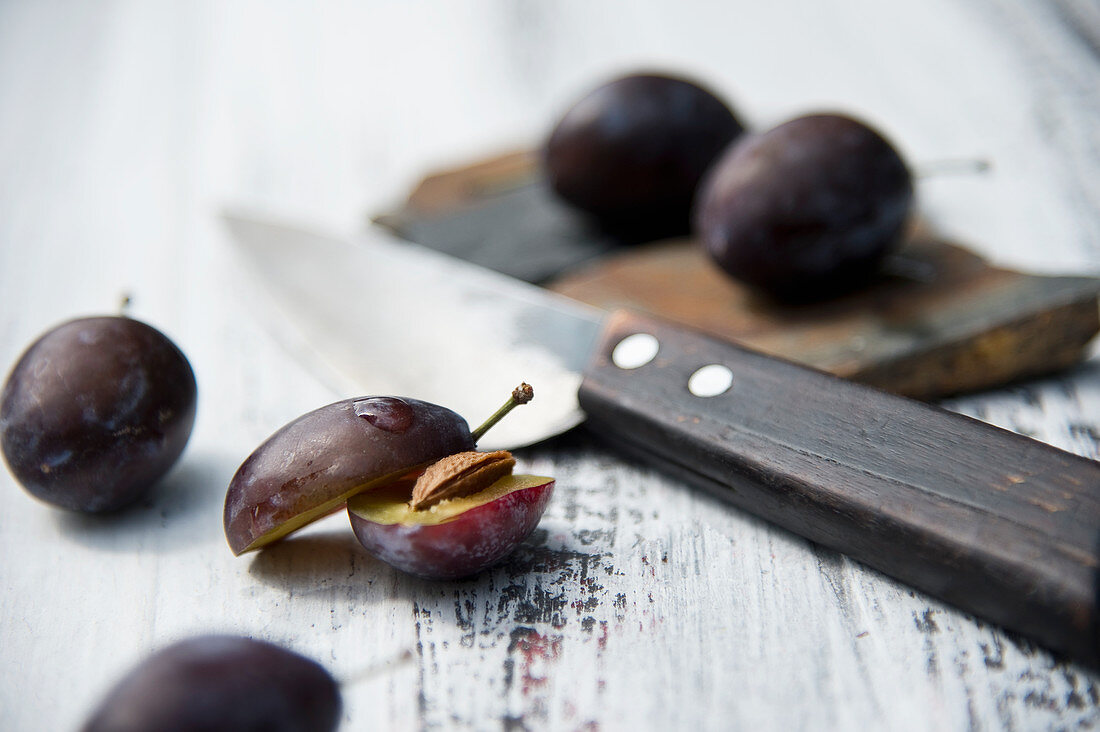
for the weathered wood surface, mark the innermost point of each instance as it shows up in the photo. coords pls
(639, 603)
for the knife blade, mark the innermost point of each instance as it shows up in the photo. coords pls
(1000, 525)
(393, 318)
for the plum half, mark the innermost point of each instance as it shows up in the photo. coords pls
(632, 152)
(419, 496)
(215, 683)
(455, 538)
(310, 467)
(807, 209)
(95, 412)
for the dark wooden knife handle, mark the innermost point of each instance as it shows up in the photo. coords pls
(999, 525)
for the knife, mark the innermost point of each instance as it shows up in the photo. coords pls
(998, 524)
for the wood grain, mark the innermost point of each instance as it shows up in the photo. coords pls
(639, 603)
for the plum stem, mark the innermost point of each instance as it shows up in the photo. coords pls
(949, 166)
(520, 395)
(377, 669)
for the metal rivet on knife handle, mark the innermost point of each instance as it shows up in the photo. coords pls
(710, 381)
(635, 351)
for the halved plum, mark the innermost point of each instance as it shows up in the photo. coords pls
(310, 467)
(456, 537)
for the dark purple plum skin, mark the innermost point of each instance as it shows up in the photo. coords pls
(331, 451)
(215, 683)
(807, 209)
(471, 542)
(95, 412)
(632, 152)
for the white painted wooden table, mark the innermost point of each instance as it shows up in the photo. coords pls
(639, 604)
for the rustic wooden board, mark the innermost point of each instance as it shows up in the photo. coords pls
(939, 320)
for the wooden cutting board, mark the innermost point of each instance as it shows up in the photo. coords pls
(939, 320)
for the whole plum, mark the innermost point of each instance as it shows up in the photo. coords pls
(215, 683)
(95, 412)
(631, 152)
(807, 209)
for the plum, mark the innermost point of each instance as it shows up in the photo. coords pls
(214, 683)
(95, 412)
(631, 152)
(418, 496)
(310, 467)
(807, 209)
(456, 537)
